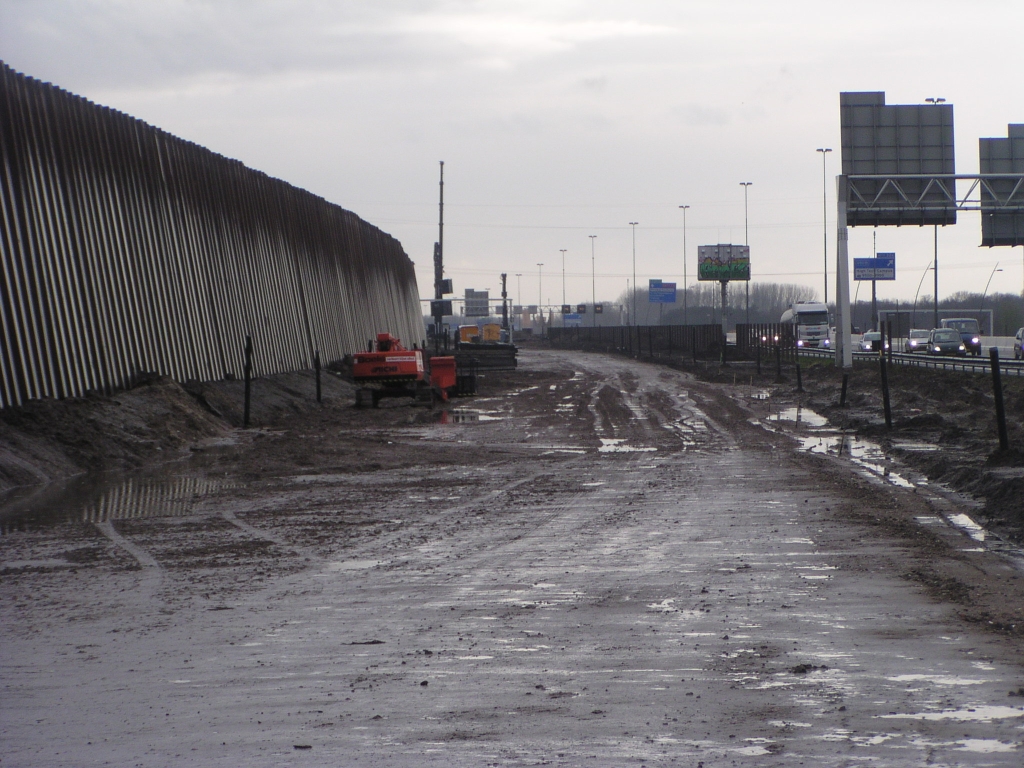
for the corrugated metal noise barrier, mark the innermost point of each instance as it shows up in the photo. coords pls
(128, 250)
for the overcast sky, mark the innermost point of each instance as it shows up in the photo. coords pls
(556, 120)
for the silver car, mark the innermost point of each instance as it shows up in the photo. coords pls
(917, 340)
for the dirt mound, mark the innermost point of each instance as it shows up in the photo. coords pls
(157, 420)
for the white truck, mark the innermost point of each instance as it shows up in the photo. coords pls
(810, 319)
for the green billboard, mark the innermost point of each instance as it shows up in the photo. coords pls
(723, 262)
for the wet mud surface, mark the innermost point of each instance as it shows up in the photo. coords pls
(594, 562)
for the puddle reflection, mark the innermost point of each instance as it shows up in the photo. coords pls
(94, 501)
(464, 416)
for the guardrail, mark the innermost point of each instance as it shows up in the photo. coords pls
(936, 362)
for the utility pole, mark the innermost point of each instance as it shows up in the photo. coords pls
(563, 250)
(504, 302)
(593, 280)
(439, 266)
(633, 225)
(519, 297)
(746, 241)
(824, 216)
(540, 294)
(684, 209)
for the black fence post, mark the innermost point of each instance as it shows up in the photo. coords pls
(778, 361)
(842, 395)
(799, 378)
(316, 367)
(997, 385)
(248, 380)
(885, 389)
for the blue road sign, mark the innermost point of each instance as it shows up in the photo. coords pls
(882, 267)
(661, 293)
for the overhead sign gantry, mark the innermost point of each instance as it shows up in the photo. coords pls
(899, 168)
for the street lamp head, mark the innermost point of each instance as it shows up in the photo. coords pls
(684, 207)
(935, 100)
(823, 149)
(633, 223)
(746, 183)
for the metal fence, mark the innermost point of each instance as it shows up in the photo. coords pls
(128, 250)
(643, 340)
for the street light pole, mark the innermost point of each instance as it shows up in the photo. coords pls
(563, 250)
(913, 319)
(633, 225)
(824, 215)
(746, 239)
(991, 331)
(540, 294)
(684, 209)
(593, 281)
(519, 298)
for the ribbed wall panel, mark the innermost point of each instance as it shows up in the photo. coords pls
(128, 250)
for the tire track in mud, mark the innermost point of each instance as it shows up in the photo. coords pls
(405, 538)
(303, 552)
(649, 406)
(152, 572)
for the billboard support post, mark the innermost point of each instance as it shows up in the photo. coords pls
(725, 316)
(844, 340)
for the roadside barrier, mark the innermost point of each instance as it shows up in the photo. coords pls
(127, 250)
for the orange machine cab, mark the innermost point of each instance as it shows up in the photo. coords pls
(391, 362)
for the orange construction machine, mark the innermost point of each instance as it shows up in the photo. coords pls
(391, 370)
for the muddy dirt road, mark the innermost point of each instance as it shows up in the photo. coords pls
(596, 562)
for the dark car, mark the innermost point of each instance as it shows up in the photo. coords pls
(917, 340)
(945, 341)
(970, 333)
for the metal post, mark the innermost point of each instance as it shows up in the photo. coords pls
(563, 250)
(248, 380)
(633, 225)
(593, 281)
(685, 320)
(935, 263)
(725, 320)
(997, 386)
(842, 394)
(824, 214)
(885, 390)
(799, 377)
(316, 367)
(746, 241)
(844, 341)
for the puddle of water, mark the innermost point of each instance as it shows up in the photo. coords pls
(911, 445)
(354, 565)
(864, 453)
(937, 679)
(985, 746)
(981, 714)
(465, 416)
(763, 395)
(799, 415)
(95, 500)
(966, 524)
(615, 445)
